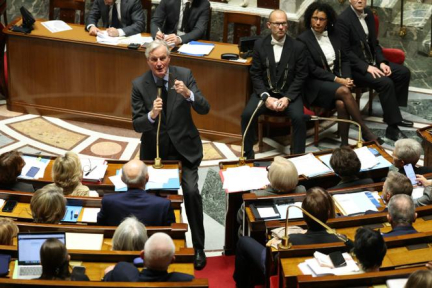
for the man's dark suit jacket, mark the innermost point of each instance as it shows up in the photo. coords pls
(126, 272)
(293, 55)
(166, 18)
(132, 16)
(317, 62)
(149, 209)
(400, 230)
(354, 38)
(177, 125)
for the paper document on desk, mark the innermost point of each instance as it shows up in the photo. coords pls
(313, 267)
(244, 178)
(367, 159)
(417, 192)
(294, 213)
(103, 38)
(165, 179)
(33, 163)
(84, 241)
(55, 26)
(90, 215)
(93, 169)
(309, 166)
(195, 48)
(137, 38)
(355, 203)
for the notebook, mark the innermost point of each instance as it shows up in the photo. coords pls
(29, 244)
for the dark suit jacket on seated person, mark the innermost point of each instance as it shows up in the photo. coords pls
(126, 272)
(132, 16)
(400, 230)
(147, 208)
(288, 77)
(166, 18)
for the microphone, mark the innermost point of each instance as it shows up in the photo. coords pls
(316, 118)
(285, 244)
(263, 99)
(158, 161)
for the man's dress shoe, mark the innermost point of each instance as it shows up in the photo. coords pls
(200, 259)
(406, 123)
(394, 134)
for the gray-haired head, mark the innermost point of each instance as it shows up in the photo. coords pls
(130, 235)
(408, 151)
(401, 210)
(154, 45)
(159, 251)
(134, 174)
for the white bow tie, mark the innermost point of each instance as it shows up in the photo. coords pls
(274, 42)
(362, 16)
(323, 34)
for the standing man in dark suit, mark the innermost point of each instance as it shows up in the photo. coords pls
(147, 208)
(279, 68)
(180, 21)
(401, 215)
(158, 253)
(121, 17)
(179, 138)
(356, 26)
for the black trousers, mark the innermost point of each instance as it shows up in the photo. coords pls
(293, 111)
(393, 90)
(192, 197)
(250, 261)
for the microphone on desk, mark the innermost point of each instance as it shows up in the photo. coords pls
(158, 161)
(285, 244)
(242, 159)
(316, 118)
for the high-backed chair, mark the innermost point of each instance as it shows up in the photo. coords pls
(243, 23)
(147, 5)
(3, 10)
(68, 10)
(391, 54)
(207, 35)
(3, 62)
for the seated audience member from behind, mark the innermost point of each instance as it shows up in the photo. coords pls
(346, 165)
(370, 249)
(408, 151)
(48, 205)
(121, 17)
(179, 22)
(401, 215)
(11, 164)
(419, 278)
(251, 255)
(283, 178)
(55, 262)
(158, 254)
(147, 208)
(130, 235)
(8, 231)
(67, 174)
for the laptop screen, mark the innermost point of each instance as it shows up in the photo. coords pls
(29, 245)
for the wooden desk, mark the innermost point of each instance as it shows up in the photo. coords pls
(426, 136)
(70, 76)
(234, 199)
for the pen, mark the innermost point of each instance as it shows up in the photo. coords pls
(91, 170)
(71, 214)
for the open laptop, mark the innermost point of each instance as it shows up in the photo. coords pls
(29, 244)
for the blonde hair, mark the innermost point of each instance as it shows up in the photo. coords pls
(8, 230)
(48, 205)
(67, 171)
(283, 175)
(130, 235)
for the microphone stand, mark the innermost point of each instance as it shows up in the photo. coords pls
(242, 159)
(359, 140)
(285, 244)
(158, 161)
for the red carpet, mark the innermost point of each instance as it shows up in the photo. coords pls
(218, 271)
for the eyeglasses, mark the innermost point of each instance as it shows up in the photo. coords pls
(319, 18)
(277, 24)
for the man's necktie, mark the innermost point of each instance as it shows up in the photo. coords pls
(362, 16)
(278, 43)
(114, 17)
(186, 13)
(164, 97)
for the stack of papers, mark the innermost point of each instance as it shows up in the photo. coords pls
(195, 48)
(90, 215)
(367, 159)
(55, 26)
(93, 169)
(356, 203)
(312, 267)
(309, 166)
(244, 178)
(119, 185)
(84, 241)
(34, 167)
(163, 179)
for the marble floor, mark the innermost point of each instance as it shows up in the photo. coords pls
(52, 136)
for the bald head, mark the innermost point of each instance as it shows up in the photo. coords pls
(159, 252)
(134, 174)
